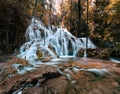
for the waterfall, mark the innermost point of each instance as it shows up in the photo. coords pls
(46, 42)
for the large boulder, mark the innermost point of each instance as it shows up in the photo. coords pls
(99, 53)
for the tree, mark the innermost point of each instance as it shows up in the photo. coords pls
(114, 23)
(71, 14)
(99, 21)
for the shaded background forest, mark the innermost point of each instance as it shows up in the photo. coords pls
(103, 21)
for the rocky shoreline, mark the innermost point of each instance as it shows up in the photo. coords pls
(64, 78)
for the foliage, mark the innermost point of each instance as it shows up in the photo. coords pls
(71, 14)
(105, 21)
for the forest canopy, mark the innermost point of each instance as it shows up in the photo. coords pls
(98, 19)
(103, 19)
(101, 23)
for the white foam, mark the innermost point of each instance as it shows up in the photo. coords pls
(54, 43)
(114, 60)
(22, 69)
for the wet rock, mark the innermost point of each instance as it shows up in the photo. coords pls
(53, 50)
(116, 84)
(95, 91)
(48, 80)
(56, 86)
(41, 75)
(22, 61)
(52, 86)
(45, 59)
(118, 65)
(43, 55)
(80, 53)
(39, 52)
(97, 53)
(99, 85)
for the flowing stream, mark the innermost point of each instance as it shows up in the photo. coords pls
(57, 43)
(52, 43)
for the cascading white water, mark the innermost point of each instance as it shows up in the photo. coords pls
(56, 42)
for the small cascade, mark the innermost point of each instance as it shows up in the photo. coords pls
(43, 42)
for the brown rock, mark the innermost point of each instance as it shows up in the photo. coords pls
(99, 85)
(116, 84)
(22, 61)
(95, 91)
(80, 53)
(45, 59)
(118, 65)
(47, 80)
